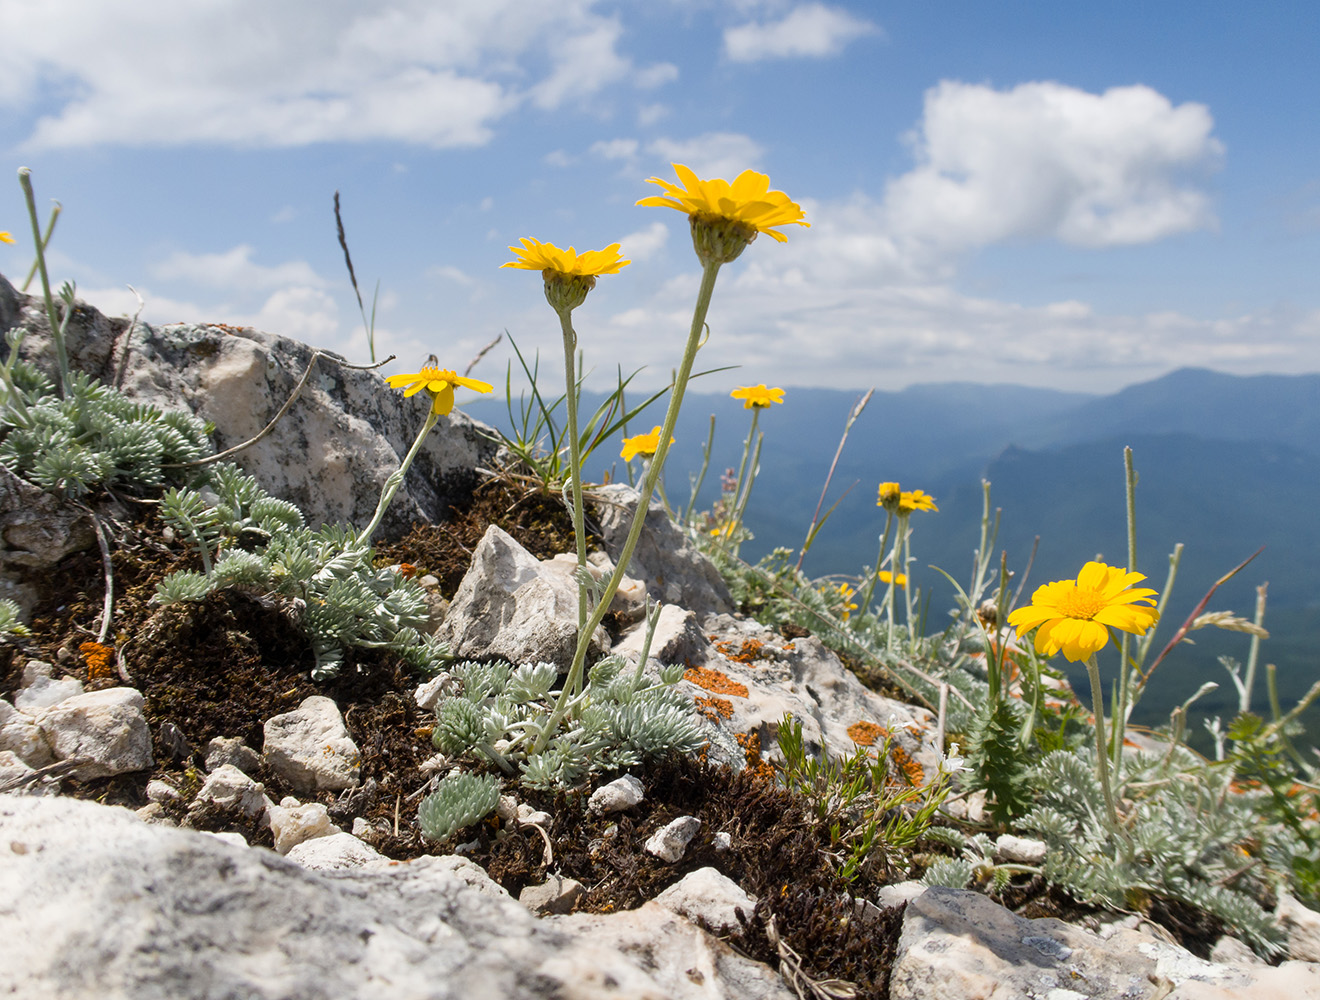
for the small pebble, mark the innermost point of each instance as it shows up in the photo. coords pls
(670, 843)
(619, 794)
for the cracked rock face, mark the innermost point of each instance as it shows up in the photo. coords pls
(96, 903)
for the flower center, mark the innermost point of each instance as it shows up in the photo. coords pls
(1082, 603)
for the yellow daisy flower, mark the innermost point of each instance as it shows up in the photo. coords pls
(1075, 615)
(642, 444)
(887, 577)
(757, 396)
(916, 500)
(6, 238)
(439, 382)
(537, 256)
(568, 275)
(726, 217)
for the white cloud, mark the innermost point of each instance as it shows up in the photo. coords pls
(715, 154)
(234, 269)
(1048, 161)
(615, 149)
(251, 73)
(813, 30)
(646, 242)
(649, 114)
(455, 275)
(557, 158)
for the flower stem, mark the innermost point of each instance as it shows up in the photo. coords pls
(574, 453)
(56, 330)
(1101, 744)
(396, 479)
(710, 269)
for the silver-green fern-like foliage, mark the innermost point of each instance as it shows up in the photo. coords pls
(497, 712)
(94, 435)
(459, 800)
(11, 622)
(252, 541)
(1182, 837)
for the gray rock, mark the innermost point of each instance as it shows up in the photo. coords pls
(19, 735)
(347, 428)
(555, 895)
(161, 792)
(233, 751)
(957, 943)
(37, 529)
(310, 749)
(665, 559)
(230, 790)
(708, 896)
(106, 726)
(899, 893)
(670, 842)
(507, 607)
(621, 793)
(195, 917)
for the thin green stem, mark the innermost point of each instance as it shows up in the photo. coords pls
(396, 479)
(710, 270)
(56, 330)
(1119, 710)
(1101, 745)
(701, 476)
(45, 242)
(869, 592)
(1253, 655)
(575, 454)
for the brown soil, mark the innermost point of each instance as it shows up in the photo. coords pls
(222, 666)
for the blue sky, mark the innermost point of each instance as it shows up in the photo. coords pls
(1080, 196)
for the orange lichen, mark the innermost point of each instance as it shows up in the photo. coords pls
(713, 680)
(747, 654)
(407, 570)
(913, 773)
(866, 733)
(714, 709)
(751, 744)
(99, 659)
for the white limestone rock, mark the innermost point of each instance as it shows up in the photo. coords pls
(231, 790)
(957, 943)
(20, 735)
(665, 559)
(506, 606)
(621, 793)
(347, 430)
(232, 750)
(670, 842)
(310, 749)
(336, 851)
(556, 895)
(43, 691)
(1302, 925)
(95, 903)
(710, 896)
(292, 823)
(1020, 850)
(107, 726)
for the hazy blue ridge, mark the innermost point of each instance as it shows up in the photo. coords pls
(1226, 464)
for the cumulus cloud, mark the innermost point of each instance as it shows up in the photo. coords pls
(714, 154)
(646, 242)
(811, 30)
(250, 73)
(234, 269)
(1044, 160)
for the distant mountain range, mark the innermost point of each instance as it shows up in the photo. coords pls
(1226, 464)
